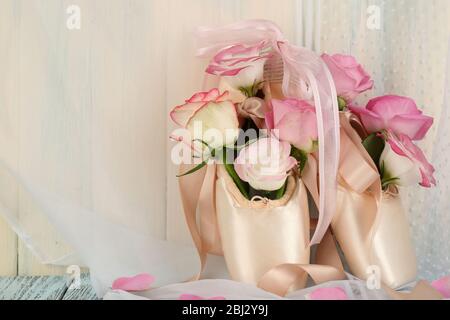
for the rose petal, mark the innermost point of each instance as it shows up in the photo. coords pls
(233, 72)
(183, 113)
(197, 97)
(281, 108)
(332, 293)
(195, 297)
(264, 164)
(295, 121)
(443, 286)
(139, 282)
(242, 65)
(395, 113)
(372, 122)
(403, 146)
(391, 105)
(212, 95)
(190, 297)
(414, 126)
(349, 76)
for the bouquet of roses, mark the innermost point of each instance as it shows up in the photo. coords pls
(387, 128)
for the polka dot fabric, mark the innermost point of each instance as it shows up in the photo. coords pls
(404, 45)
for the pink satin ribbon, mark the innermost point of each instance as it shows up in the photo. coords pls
(356, 167)
(197, 191)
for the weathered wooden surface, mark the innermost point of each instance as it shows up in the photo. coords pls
(84, 292)
(45, 288)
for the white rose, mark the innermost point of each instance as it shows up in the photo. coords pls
(236, 95)
(240, 67)
(216, 124)
(250, 73)
(398, 167)
(265, 164)
(210, 117)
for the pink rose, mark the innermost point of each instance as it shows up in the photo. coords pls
(265, 164)
(404, 163)
(209, 116)
(295, 121)
(349, 76)
(395, 113)
(253, 108)
(240, 67)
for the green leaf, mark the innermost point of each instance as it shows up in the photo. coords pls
(251, 91)
(342, 104)
(280, 192)
(246, 91)
(374, 146)
(211, 150)
(196, 168)
(203, 143)
(242, 146)
(386, 182)
(386, 178)
(229, 167)
(301, 157)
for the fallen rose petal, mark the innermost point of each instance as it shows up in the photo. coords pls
(333, 293)
(138, 282)
(443, 286)
(194, 297)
